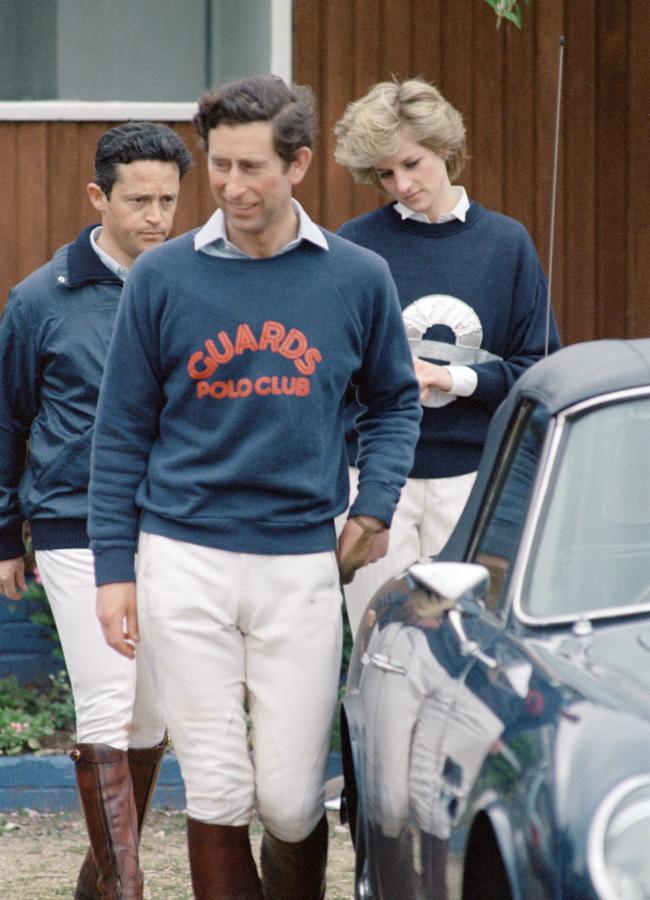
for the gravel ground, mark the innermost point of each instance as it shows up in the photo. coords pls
(40, 855)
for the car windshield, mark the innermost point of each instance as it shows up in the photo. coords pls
(592, 552)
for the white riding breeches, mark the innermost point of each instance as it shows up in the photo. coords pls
(115, 700)
(426, 514)
(246, 652)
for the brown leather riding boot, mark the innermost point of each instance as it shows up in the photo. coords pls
(104, 783)
(144, 765)
(295, 871)
(221, 862)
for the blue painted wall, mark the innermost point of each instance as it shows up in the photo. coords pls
(48, 784)
(25, 648)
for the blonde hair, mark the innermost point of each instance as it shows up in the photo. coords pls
(370, 127)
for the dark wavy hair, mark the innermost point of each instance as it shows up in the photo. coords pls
(133, 141)
(261, 98)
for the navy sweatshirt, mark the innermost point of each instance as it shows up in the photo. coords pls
(220, 419)
(476, 284)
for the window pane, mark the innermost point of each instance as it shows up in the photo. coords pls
(593, 549)
(498, 542)
(120, 50)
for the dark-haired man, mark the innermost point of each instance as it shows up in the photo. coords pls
(220, 440)
(54, 335)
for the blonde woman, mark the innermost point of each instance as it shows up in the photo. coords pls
(473, 296)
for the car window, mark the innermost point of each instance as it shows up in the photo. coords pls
(501, 520)
(592, 550)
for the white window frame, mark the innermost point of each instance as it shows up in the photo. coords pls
(93, 111)
(281, 39)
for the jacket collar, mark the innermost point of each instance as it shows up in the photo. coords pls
(83, 264)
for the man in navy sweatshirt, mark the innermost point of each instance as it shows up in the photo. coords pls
(219, 451)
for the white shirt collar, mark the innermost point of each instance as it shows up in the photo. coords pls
(110, 263)
(458, 212)
(212, 237)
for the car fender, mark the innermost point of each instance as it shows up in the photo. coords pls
(498, 818)
(585, 777)
(351, 751)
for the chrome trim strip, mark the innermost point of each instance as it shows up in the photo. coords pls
(596, 839)
(604, 400)
(383, 662)
(593, 615)
(548, 459)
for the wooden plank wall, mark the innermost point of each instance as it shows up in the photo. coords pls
(45, 169)
(505, 81)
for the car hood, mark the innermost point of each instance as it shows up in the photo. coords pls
(611, 666)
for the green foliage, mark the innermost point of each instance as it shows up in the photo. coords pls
(503, 769)
(335, 743)
(41, 612)
(508, 9)
(28, 715)
(61, 702)
(345, 663)
(348, 639)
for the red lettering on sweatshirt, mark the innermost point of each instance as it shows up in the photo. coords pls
(307, 365)
(245, 340)
(264, 386)
(273, 336)
(294, 344)
(227, 352)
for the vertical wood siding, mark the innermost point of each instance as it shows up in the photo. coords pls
(504, 82)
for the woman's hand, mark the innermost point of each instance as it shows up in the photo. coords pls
(430, 376)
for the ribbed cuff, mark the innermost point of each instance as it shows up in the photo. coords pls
(375, 499)
(11, 542)
(59, 534)
(114, 564)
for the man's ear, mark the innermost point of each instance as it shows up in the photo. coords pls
(300, 164)
(97, 196)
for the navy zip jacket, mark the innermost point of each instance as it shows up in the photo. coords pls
(220, 418)
(54, 336)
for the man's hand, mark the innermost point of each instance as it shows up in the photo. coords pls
(363, 540)
(12, 578)
(118, 615)
(431, 375)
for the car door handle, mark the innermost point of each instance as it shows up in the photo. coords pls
(383, 662)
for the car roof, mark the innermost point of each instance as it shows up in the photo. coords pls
(581, 371)
(568, 376)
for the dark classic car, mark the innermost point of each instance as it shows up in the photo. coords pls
(496, 723)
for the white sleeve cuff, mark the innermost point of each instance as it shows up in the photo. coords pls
(463, 380)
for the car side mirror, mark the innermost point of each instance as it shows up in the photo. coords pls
(455, 584)
(461, 589)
